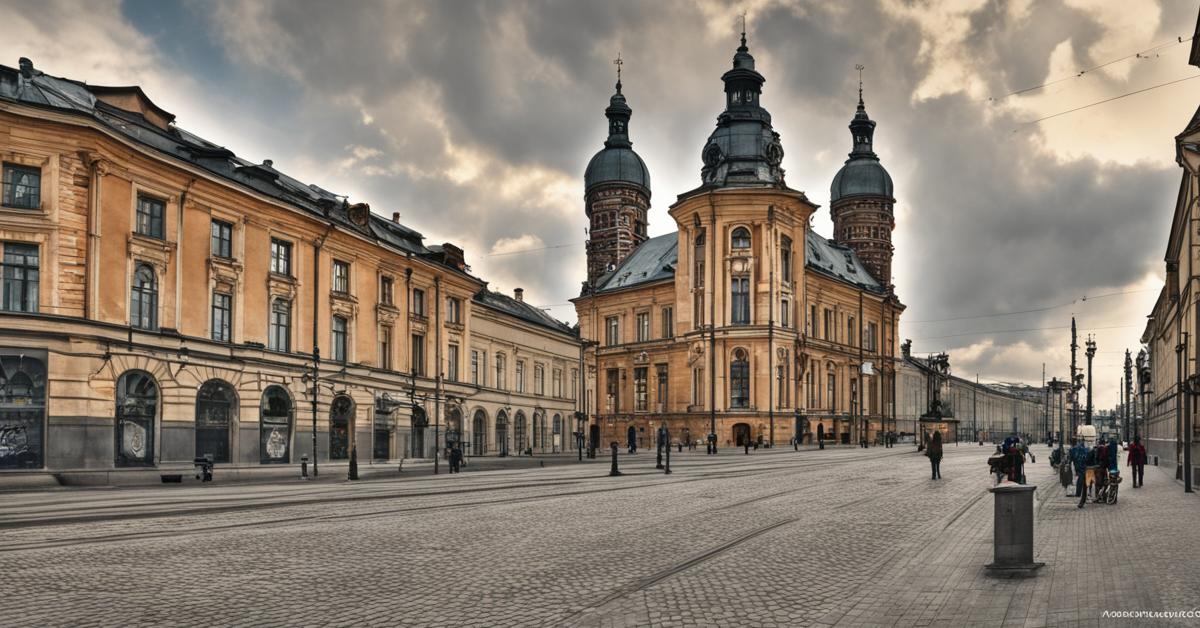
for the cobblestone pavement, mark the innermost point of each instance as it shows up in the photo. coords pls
(836, 537)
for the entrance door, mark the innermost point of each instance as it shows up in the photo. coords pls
(741, 434)
(479, 434)
(216, 404)
(341, 414)
(502, 433)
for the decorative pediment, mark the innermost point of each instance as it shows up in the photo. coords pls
(386, 314)
(151, 250)
(281, 287)
(695, 352)
(343, 305)
(225, 274)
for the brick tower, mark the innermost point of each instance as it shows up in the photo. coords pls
(861, 201)
(616, 193)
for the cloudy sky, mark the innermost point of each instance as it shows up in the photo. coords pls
(475, 120)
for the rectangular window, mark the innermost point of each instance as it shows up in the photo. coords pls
(474, 367)
(643, 326)
(19, 269)
(341, 277)
(812, 322)
(869, 339)
(741, 300)
(222, 317)
(557, 382)
(222, 239)
(661, 392)
(418, 302)
(781, 384)
(828, 325)
(612, 327)
(339, 339)
(850, 331)
(639, 389)
(520, 376)
(22, 187)
(613, 381)
(452, 362)
(418, 355)
(453, 310)
(785, 259)
(539, 379)
(281, 257)
(387, 287)
(385, 348)
(574, 384)
(280, 333)
(785, 314)
(668, 322)
(831, 392)
(501, 382)
(150, 217)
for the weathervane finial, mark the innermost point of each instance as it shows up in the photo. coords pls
(860, 67)
(743, 16)
(618, 62)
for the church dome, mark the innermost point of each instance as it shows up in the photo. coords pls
(616, 165)
(616, 162)
(861, 177)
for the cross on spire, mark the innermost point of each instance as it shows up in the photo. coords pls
(860, 67)
(618, 62)
(743, 16)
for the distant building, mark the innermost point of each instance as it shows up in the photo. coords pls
(742, 321)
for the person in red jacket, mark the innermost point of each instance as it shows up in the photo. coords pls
(1137, 460)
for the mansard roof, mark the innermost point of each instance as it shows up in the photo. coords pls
(656, 259)
(154, 127)
(522, 310)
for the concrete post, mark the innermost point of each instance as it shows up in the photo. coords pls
(1013, 538)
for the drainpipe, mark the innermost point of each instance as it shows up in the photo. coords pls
(712, 321)
(437, 395)
(770, 241)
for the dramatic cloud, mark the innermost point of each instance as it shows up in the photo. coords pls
(474, 121)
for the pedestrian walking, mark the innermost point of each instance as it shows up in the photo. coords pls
(455, 460)
(934, 451)
(1137, 460)
(1079, 460)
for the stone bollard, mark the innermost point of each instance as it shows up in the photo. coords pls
(1013, 538)
(614, 472)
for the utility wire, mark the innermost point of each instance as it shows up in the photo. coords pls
(1039, 309)
(1015, 331)
(1101, 102)
(1140, 54)
(543, 248)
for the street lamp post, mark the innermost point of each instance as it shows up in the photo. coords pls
(1090, 353)
(1128, 394)
(1143, 375)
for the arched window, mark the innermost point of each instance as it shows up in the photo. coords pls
(739, 380)
(137, 407)
(519, 432)
(739, 287)
(556, 430)
(479, 433)
(539, 427)
(22, 408)
(216, 405)
(275, 426)
(741, 238)
(143, 299)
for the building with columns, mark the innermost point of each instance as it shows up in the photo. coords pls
(743, 321)
(164, 299)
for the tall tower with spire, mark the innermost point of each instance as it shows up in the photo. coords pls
(861, 200)
(616, 192)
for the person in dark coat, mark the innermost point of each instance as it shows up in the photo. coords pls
(1079, 459)
(934, 451)
(1137, 460)
(455, 459)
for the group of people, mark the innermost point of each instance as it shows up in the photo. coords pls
(1008, 462)
(1095, 467)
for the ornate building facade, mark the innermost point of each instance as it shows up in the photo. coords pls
(164, 299)
(743, 322)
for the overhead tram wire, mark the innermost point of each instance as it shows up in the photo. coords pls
(979, 332)
(1142, 54)
(542, 248)
(1084, 298)
(1101, 102)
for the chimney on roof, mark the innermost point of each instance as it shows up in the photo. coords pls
(26, 67)
(519, 294)
(396, 217)
(268, 163)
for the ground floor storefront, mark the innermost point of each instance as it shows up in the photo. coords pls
(738, 429)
